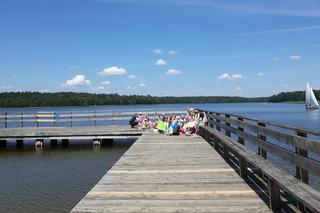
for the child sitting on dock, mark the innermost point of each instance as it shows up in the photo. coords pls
(161, 125)
(133, 122)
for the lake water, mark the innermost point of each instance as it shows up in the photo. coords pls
(55, 179)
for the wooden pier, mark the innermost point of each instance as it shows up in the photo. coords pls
(230, 168)
(171, 174)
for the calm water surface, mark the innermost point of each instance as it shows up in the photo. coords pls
(54, 180)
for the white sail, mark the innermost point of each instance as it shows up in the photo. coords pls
(313, 99)
(308, 94)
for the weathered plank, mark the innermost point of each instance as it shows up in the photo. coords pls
(84, 132)
(171, 174)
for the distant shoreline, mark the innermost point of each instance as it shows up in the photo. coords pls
(68, 99)
(191, 105)
(11, 100)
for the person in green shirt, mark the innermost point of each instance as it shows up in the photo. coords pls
(161, 126)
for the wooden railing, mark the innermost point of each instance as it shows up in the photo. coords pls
(72, 118)
(298, 147)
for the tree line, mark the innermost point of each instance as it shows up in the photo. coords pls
(291, 96)
(61, 99)
(37, 99)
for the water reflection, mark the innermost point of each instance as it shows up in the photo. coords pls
(313, 115)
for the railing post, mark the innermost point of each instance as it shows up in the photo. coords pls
(208, 136)
(218, 121)
(54, 119)
(208, 115)
(243, 167)
(302, 174)
(95, 120)
(21, 119)
(240, 139)
(262, 152)
(37, 120)
(6, 120)
(227, 124)
(215, 143)
(71, 119)
(274, 195)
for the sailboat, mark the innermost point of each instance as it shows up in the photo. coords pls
(311, 100)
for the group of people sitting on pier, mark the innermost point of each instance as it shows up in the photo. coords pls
(187, 124)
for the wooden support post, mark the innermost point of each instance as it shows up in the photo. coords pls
(274, 195)
(262, 152)
(227, 124)
(226, 154)
(96, 142)
(301, 173)
(65, 142)
(3, 143)
(6, 120)
(240, 140)
(218, 121)
(21, 119)
(39, 144)
(53, 142)
(243, 165)
(19, 143)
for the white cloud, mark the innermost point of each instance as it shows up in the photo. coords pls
(128, 87)
(227, 76)
(142, 84)
(114, 70)
(157, 51)
(295, 57)
(307, 8)
(101, 87)
(283, 30)
(238, 88)
(161, 62)
(105, 83)
(260, 74)
(173, 72)
(131, 76)
(78, 80)
(173, 52)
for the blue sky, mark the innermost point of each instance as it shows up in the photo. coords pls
(169, 47)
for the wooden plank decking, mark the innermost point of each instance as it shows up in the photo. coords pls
(171, 174)
(79, 132)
